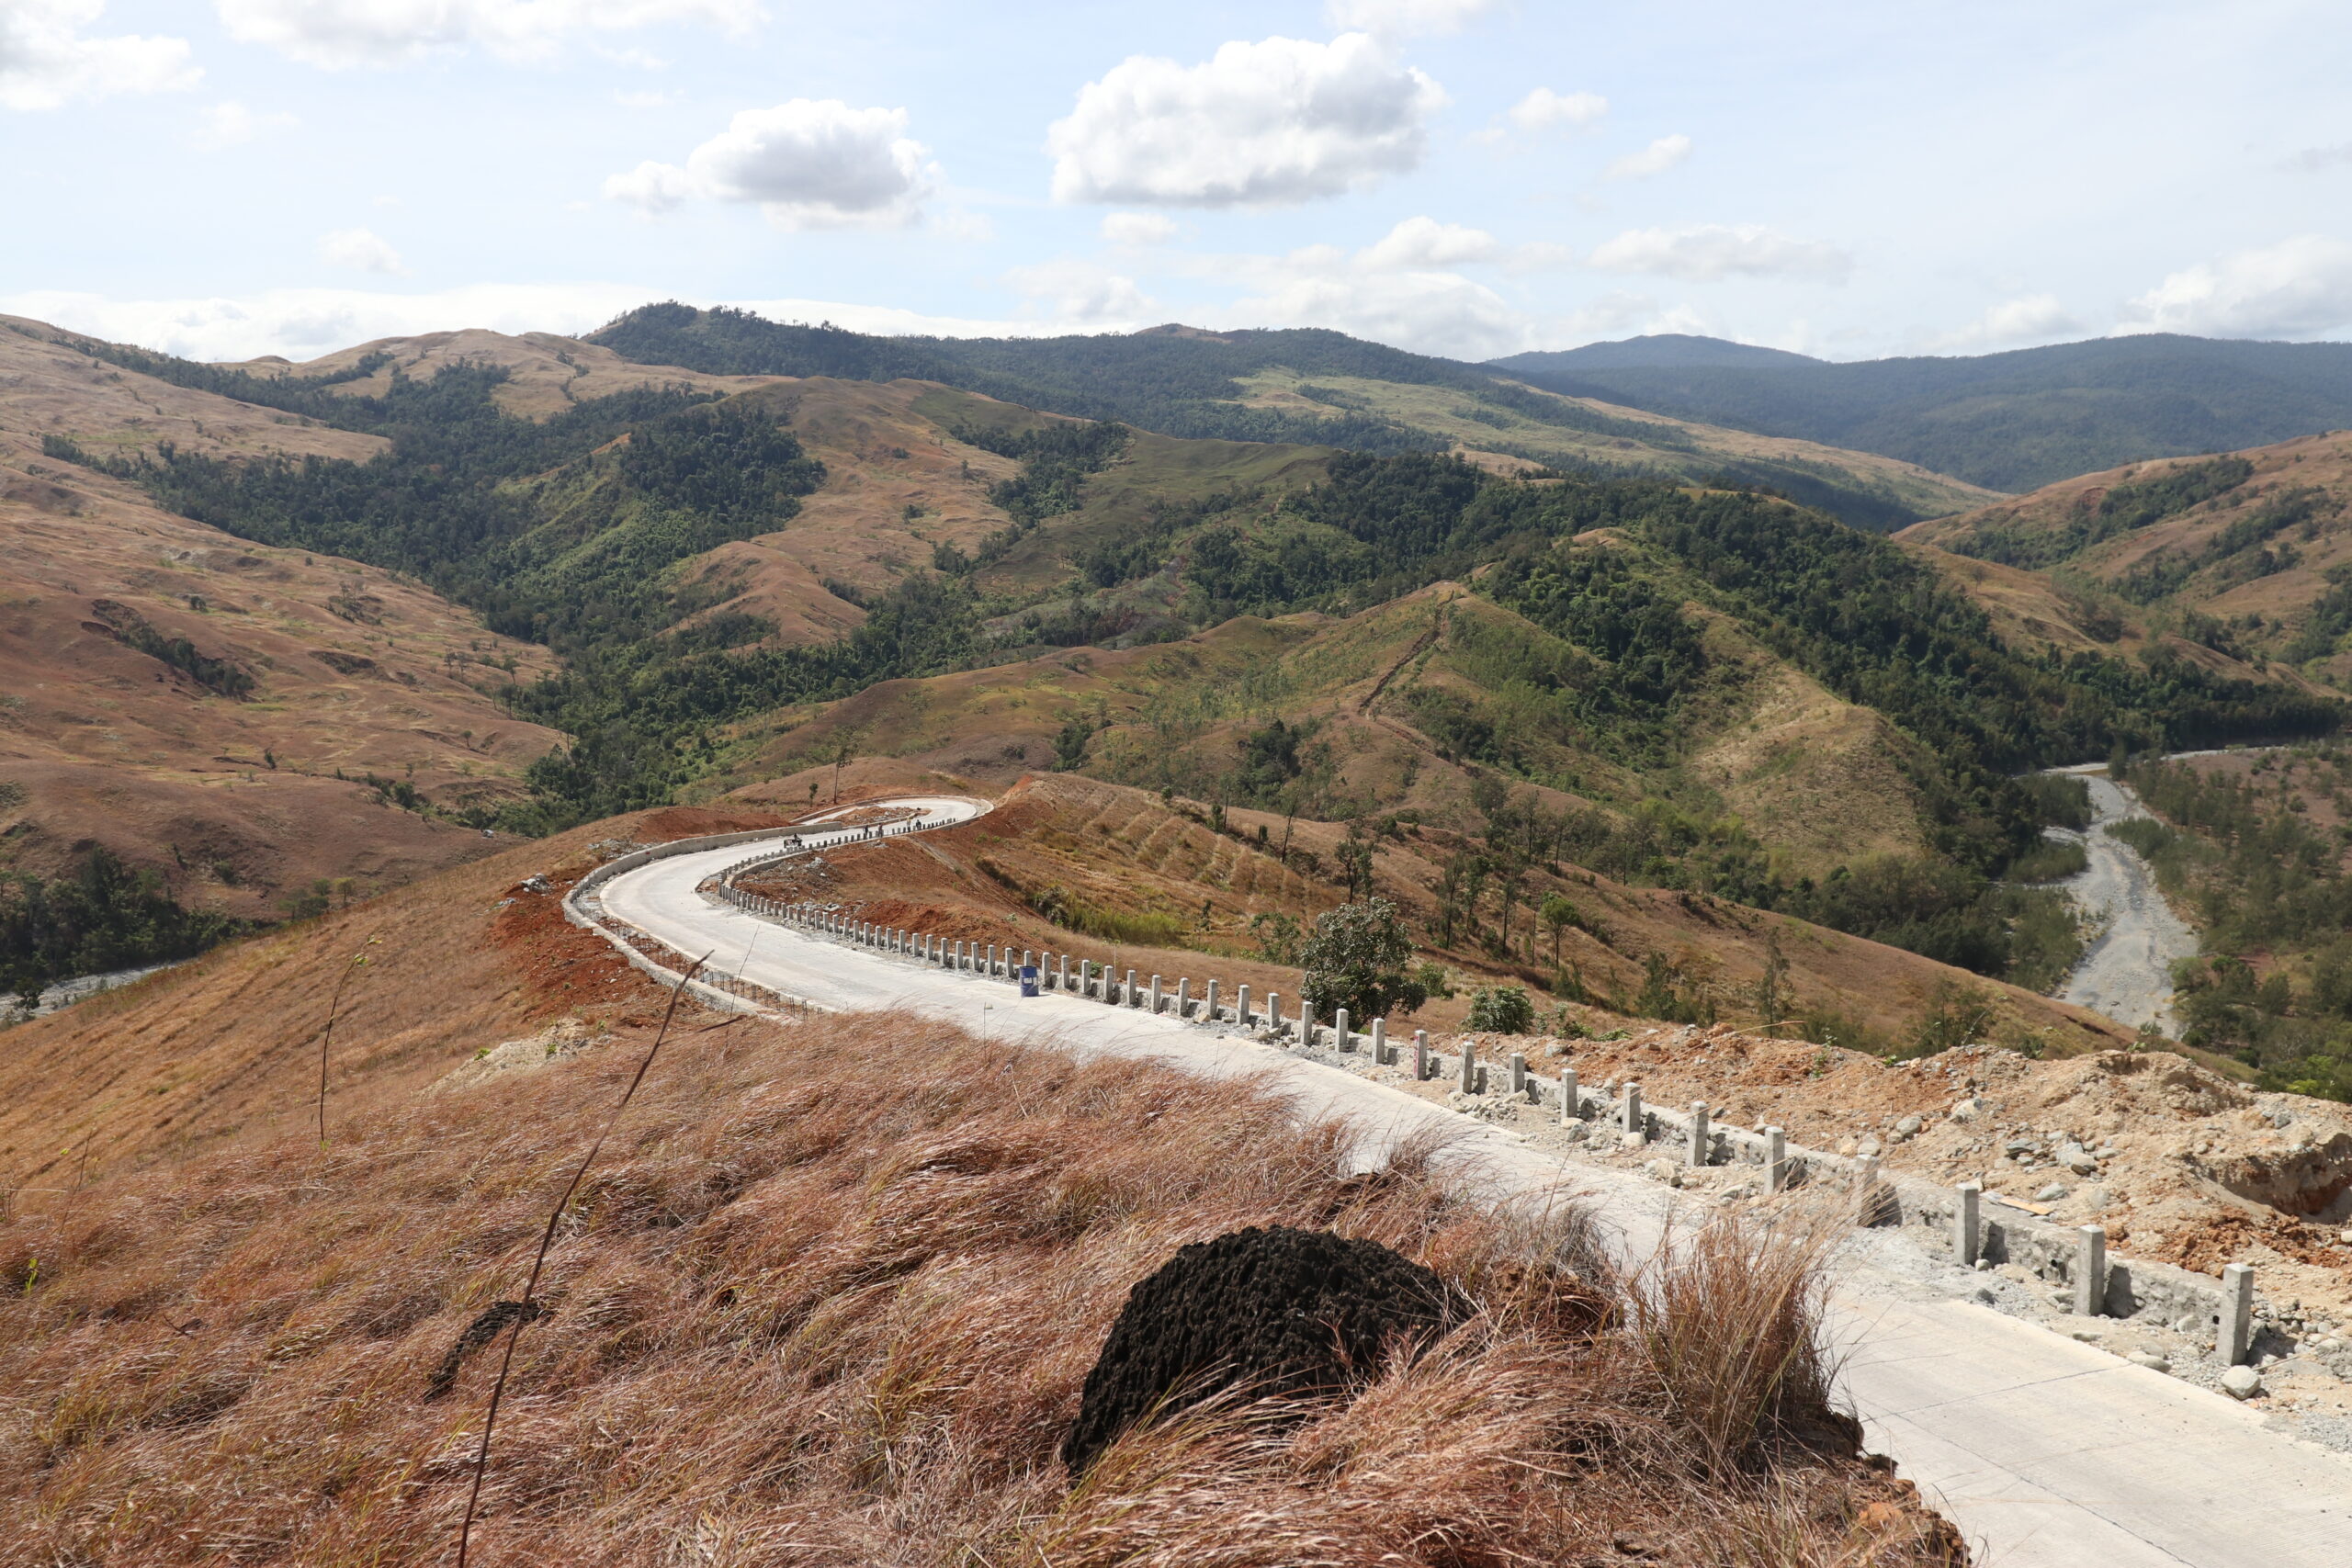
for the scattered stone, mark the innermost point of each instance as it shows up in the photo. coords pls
(2149, 1360)
(1665, 1171)
(1967, 1110)
(2051, 1194)
(1985, 1294)
(2188, 1323)
(1848, 1148)
(535, 885)
(2241, 1383)
(1868, 1149)
(1631, 1140)
(1277, 1308)
(2079, 1159)
(1908, 1127)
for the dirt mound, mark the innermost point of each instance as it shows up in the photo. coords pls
(1273, 1309)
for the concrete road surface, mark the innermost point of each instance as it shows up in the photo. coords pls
(2048, 1453)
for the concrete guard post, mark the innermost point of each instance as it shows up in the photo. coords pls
(1242, 1006)
(1155, 996)
(1380, 1055)
(1208, 1002)
(1631, 1119)
(1183, 997)
(1469, 1065)
(1420, 1056)
(1274, 1013)
(1776, 1159)
(1968, 1223)
(1571, 1107)
(1702, 1141)
(1345, 1040)
(2090, 1273)
(2233, 1335)
(1518, 1074)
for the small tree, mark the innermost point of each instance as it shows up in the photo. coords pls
(1501, 1010)
(1360, 959)
(1558, 914)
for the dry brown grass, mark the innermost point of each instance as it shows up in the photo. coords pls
(829, 1298)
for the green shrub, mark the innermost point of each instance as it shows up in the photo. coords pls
(1501, 1010)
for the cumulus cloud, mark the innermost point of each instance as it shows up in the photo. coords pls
(1426, 242)
(1707, 252)
(338, 33)
(1081, 291)
(1398, 289)
(1279, 122)
(1399, 18)
(2318, 160)
(46, 62)
(808, 164)
(232, 124)
(2298, 288)
(1138, 228)
(2034, 318)
(1433, 312)
(360, 250)
(1654, 159)
(1543, 109)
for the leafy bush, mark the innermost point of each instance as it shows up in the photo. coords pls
(1501, 1010)
(1361, 959)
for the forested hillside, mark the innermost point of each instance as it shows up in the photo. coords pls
(1677, 686)
(2013, 420)
(1301, 386)
(2246, 554)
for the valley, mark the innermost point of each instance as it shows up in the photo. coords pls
(1639, 746)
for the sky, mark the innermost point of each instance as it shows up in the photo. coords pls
(229, 178)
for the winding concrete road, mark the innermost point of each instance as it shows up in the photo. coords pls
(2048, 1453)
(2127, 973)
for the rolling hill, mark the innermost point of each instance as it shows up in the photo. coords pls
(2012, 422)
(2244, 556)
(1298, 386)
(237, 721)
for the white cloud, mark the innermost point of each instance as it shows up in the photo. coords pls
(1279, 122)
(1654, 159)
(2298, 288)
(337, 33)
(1707, 252)
(45, 60)
(809, 163)
(2034, 318)
(1426, 242)
(1137, 228)
(232, 124)
(302, 323)
(1073, 291)
(1543, 109)
(360, 250)
(1432, 312)
(1399, 18)
(2317, 160)
(640, 100)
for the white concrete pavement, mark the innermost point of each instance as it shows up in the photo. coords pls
(2048, 1453)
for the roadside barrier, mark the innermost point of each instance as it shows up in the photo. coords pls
(1956, 1221)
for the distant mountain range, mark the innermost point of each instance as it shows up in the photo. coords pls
(1304, 386)
(2011, 422)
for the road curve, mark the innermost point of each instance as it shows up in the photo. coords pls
(2047, 1453)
